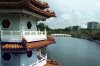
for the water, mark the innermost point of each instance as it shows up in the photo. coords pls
(74, 52)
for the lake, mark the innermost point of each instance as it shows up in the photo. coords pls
(70, 51)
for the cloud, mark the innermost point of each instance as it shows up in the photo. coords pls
(73, 12)
(77, 13)
(66, 17)
(54, 23)
(84, 26)
(97, 5)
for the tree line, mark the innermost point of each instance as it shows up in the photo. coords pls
(82, 33)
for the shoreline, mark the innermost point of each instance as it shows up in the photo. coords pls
(90, 39)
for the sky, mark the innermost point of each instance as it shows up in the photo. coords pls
(73, 12)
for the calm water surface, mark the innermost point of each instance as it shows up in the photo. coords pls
(74, 52)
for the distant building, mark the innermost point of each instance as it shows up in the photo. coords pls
(99, 26)
(76, 28)
(93, 25)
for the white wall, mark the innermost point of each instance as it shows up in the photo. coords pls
(15, 61)
(28, 61)
(14, 19)
(17, 20)
(20, 59)
(24, 19)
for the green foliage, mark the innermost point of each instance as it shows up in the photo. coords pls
(42, 26)
(82, 33)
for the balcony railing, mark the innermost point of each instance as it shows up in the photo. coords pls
(16, 36)
(40, 62)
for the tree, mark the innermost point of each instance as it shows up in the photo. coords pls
(67, 29)
(42, 26)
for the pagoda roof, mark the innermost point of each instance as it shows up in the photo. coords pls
(37, 3)
(30, 45)
(34, 6)
(40, 4)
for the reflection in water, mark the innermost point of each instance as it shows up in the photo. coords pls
(75, 52)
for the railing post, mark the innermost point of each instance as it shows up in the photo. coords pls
(39, 32)
(46, 56)
(45, 31)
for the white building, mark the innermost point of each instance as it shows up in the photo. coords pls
(21, 43)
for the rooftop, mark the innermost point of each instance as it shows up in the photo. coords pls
(35, 6)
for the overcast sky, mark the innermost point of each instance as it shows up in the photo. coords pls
(73, 12)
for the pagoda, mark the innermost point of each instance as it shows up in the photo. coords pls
(21, 43)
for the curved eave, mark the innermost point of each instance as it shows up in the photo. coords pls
(39, 11)
(32, 45)
(36, 3)
(25, 4)
(39, 4)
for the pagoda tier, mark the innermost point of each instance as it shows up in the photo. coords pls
(26, 46)
(29, 5)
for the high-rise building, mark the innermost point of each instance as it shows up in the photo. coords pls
(93, 25)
